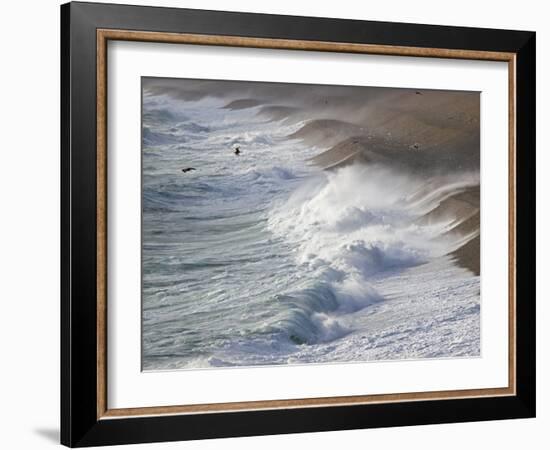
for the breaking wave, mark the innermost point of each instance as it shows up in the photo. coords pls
(347, 226)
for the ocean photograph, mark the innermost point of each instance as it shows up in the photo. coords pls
(295, 224)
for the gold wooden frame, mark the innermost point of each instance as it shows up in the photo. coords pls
(103, 36)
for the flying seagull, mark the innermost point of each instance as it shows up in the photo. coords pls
(237, 151)
(188, 169)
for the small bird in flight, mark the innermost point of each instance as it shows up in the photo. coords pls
(188, 169)
(237, 151)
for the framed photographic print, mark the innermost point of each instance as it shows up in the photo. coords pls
(276, 224)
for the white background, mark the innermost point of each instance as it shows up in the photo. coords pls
(129, 387)
(29, 185)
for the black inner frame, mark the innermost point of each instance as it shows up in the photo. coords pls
(79, 423)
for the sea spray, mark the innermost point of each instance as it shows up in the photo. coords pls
(356, 219)
(345, 226)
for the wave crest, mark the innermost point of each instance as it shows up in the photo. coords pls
(348, 226)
